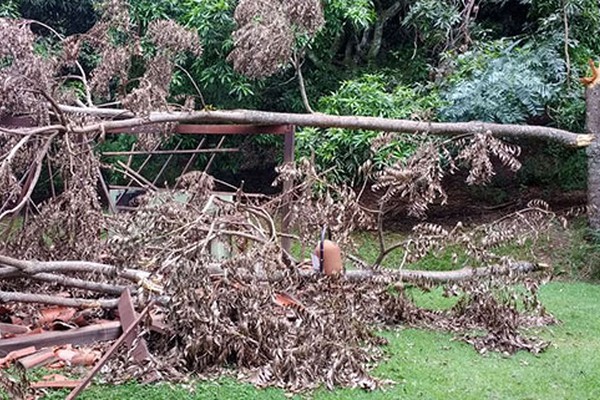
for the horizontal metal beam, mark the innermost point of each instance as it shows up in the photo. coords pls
(78, 336)
(162, 152)
(214, 129)
(233, 129)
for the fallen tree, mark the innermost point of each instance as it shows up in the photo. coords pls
(143, 279)
(126, 119)
(237, 307)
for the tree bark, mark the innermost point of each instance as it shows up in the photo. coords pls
(18, 297)
(592, 125)
(12, 266)
(36, 267)
(65, 281)
(385, 16)
(320, 120)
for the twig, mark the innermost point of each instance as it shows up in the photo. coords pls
(193, 84)
(298, 66)
(38, 162)
(88, 95)
(566, 47)
(14, 150)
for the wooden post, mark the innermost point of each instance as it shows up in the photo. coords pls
(288, 156)
(592, 125)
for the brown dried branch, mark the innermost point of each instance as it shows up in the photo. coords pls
(18, 297)
(36, 267)
(38, 162)
(64, 281)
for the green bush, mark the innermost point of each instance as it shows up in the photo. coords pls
(341, 152)
(503, 82)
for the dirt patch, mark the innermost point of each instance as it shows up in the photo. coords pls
(475, 205)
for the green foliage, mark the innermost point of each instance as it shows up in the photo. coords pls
(9, 9)
(222, 85)
(340, 151)
(583, 24)
(360, 13)
(568, 111)
(503, 82)
(555, 168)
(145, 11)
(67, 17)
(433, 20)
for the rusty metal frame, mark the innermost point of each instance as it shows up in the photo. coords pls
(288, 131)
(205, 130)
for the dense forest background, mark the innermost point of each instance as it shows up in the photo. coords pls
(437, 60)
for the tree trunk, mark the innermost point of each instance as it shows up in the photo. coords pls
(592, 122)
(385, 16)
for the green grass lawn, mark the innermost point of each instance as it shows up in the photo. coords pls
(430, 365)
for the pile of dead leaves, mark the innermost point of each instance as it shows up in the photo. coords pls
(298, 333)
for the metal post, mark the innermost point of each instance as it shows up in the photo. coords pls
(288, 156)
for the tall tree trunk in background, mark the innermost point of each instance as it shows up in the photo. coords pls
(382, 19)
(592, 125)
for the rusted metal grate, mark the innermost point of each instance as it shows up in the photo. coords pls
(137, 182)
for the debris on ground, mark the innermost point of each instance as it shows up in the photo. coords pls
(248, 305)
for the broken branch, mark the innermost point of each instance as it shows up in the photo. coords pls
(18, 297)
(319, 120)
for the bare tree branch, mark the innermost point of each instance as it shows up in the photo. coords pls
(326, 121)
(61, 280)
(448, 276)
(18, 297)
(39, 162)
(355, 275)
(36, 267)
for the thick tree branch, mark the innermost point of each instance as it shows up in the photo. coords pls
(326, 121)
(409, 275)
(11, 272)
(18, 297)
(383, 18)
(448, 276)
(36, 267)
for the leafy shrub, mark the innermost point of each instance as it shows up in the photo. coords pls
(555, 167)
(434, 20)
(9, 9)
(503, 82)
(341, 151)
